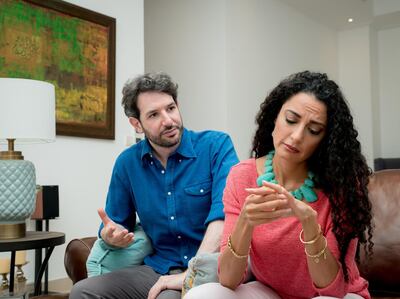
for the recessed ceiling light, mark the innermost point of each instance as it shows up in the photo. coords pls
(350, 20)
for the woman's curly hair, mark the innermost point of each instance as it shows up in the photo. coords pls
(340, 169)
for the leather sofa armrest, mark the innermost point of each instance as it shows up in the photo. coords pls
(75, 257)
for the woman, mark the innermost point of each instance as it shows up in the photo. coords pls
(300, 206)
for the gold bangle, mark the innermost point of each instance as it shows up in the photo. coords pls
(313, 240)
(233, 250)
(317, 256)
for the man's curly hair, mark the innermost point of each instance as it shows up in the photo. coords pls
(340, 169)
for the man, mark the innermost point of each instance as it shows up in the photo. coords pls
(173, 180)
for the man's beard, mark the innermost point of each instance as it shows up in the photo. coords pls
(163, 141)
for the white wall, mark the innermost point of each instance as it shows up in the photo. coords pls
(355, 80)
(267, 41)
(376, 115)
(226, 56)
(82, 166)
(389, 91)
(187, 40)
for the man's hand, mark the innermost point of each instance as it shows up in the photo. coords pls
(112, 233)
(171, 282)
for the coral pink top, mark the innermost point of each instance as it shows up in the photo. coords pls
(277, 256)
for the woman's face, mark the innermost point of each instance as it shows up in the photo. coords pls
(299, 127)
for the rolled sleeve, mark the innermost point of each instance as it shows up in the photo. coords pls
(119, 203)
(223, 158)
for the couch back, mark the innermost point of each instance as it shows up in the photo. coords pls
(386, 163)
(383, 270)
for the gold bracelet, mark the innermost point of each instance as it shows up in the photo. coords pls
(233, 250)
(313, 240)
(317, 256)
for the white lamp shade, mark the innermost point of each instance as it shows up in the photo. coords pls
(27, 111)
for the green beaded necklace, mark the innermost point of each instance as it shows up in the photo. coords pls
(305, 191)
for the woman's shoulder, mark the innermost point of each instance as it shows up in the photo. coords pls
(244, 169)
(247, 165)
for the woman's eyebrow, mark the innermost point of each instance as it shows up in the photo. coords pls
(312, 121)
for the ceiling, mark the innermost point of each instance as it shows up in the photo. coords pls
(335, 13)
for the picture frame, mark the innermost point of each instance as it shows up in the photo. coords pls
(71, 47)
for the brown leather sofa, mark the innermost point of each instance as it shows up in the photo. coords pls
(382, 271)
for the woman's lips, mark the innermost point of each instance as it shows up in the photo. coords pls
(291, 148)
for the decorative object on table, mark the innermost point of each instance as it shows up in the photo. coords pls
(71, 47)
(4, 270)
(32, 240)
(4, 281)
(47, 203)
(20, 260)
(27, 115)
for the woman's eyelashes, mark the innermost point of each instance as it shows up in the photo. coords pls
(311, 130)
(314, 132)
(290, 121)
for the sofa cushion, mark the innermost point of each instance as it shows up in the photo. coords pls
(104, 258)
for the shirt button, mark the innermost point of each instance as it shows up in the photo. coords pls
(172, 217)
(180, 160)
(201, 190)
(185, 257)
(162, 171)
(169, 193)
(151, 162)
(179, 237)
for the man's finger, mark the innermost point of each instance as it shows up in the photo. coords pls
(103, 216)
(155, 290)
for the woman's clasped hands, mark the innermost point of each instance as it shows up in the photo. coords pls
(270, 202)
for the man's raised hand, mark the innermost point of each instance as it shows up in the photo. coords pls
(112, 233)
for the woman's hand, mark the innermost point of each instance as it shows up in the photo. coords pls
(300, 209)
(263, 205)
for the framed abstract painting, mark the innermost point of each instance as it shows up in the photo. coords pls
(70, 47)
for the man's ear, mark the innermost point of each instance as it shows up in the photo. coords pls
(136, 124)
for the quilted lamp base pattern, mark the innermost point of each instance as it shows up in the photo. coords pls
(17, 196)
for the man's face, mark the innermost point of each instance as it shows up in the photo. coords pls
(160, 119)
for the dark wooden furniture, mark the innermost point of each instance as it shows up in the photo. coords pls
(32, 240)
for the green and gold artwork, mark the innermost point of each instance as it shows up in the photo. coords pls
(67, 51)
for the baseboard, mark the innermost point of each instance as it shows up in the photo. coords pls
(61, 285)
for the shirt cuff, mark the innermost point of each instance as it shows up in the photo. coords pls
(216, 213)
(337, 288)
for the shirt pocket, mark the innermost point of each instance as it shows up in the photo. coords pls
(198, 202)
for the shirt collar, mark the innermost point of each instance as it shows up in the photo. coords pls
(185, 148)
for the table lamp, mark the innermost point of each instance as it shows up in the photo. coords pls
(27, 115)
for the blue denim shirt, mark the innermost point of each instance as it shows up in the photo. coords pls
(175, 203)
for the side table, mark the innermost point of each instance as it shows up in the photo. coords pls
(32, 240)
